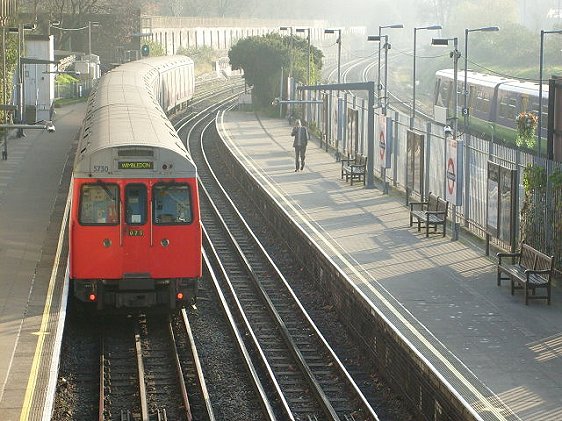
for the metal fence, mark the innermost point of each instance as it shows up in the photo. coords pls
(535, 215)
(80, 89)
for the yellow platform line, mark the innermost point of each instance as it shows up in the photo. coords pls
(32, 381)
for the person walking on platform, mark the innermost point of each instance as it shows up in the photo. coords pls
(300, 133)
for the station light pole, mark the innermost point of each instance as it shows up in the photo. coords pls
(386, 46)
(455, 54)
(89, 27)
(290, 29)
(338, 41)
(465, 85)
(307, 30)
(90, 24)
(541, 61)
(381, 27)
(416, 29)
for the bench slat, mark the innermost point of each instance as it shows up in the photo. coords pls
(431, 212)
(532, 270)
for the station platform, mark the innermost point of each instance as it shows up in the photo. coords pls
(34, 183)
(488, 342)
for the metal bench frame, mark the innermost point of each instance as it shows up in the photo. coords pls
(431, 212)
(354, 168)
(531, 270)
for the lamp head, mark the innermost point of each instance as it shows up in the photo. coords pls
(440, 41)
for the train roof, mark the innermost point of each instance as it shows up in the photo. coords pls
(493, 81)
(123, 115)
(474, 77)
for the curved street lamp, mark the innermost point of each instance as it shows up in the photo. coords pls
(429, 28)
(338, 41)
(290, 29)
(307, 30)
(379, 87)
(465, 87)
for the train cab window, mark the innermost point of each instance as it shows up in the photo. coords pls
(172, 204)
(135, 204)
(99, 204)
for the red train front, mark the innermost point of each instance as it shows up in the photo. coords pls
(135, 229)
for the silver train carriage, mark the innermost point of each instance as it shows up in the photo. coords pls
(492, 98)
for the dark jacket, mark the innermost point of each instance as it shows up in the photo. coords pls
(300, 134)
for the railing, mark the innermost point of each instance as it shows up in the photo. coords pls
(74, 90)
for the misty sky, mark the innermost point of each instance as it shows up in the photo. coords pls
(464, 13)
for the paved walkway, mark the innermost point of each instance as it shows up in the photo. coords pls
(511, 352)
(33, 191)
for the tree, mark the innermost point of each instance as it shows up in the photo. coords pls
(262, 57)
(437, 11)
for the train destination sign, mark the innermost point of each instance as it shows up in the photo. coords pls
(136, 165)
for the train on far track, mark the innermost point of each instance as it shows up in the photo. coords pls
(492, 98)
(134, 228)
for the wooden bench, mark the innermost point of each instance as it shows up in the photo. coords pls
(354, 168)
(431, 212)
(531, 270)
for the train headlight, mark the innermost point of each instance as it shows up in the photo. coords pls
(106, 242)
(165, 242)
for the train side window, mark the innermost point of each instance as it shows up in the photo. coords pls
(135, 204)
(172, 204)
(99, 204)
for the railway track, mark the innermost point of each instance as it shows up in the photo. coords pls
(142, 374)
(292, 361)
(271, 363)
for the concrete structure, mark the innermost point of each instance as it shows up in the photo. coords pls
(38, 79)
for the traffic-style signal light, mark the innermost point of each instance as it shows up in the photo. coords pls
(145, 51)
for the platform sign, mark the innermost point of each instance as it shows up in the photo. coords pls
(454, 172)
(501, 202)
(341, 121)
(385, 140)
(352, 131)
(415, 162)
(492, 192)
(334, 122)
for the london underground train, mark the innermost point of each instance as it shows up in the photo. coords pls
(135, 229)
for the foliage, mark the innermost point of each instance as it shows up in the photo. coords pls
(11, 53)
(155, 49)
(540, 225)
(199, 55)
(526, 127)
(65, 79)
(534, 178)
(262, 58)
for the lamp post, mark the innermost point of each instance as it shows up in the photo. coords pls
(465, 85)
(290, 29)
(20, 29)
(539, 128)
(455, 55)
(88, 27)
(429, 28)
(381, 27)
(338, 41)
(386, 46)
(307, 30)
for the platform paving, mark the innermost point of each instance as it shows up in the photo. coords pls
(511, 352)
(33, 192)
